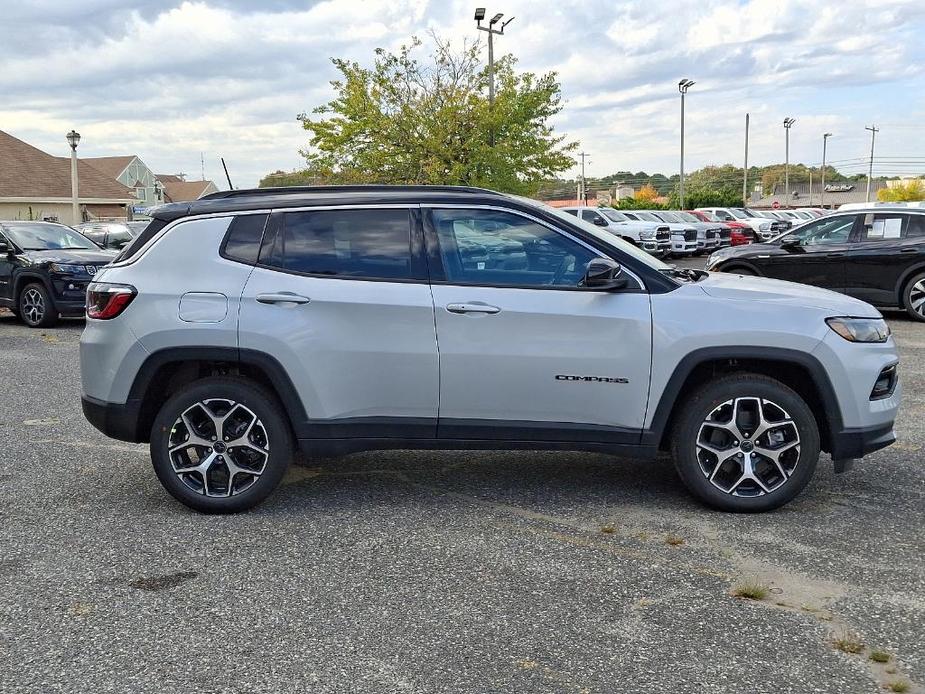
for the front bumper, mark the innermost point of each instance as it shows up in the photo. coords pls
(655, 247)
(856, 443)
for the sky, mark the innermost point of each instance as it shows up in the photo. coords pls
(172, 80)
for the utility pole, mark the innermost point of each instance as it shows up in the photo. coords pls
(202, 167)
(683, 86)
(870, 172)
(581, 184)
(745, 168)
(479, 16)
(788, 122)
(825, 138)
(810, 187)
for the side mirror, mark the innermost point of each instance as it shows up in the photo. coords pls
(790, 241)
(4, 248)
(599, 222)
(604, 274)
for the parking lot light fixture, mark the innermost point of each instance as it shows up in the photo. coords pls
(491, 30)
(683, 86)
(788, 123)
(73, 139)
(825, 138)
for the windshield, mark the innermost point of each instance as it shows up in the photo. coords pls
(43, 236)
(598, 233)
(670, 217)
(747, 213)
(648, 216)
(686, 217)
(615, 216)
(709, 215)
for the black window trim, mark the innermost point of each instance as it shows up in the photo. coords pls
(435, 260)
(418, 267)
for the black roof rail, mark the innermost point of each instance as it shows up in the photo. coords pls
(367, 188)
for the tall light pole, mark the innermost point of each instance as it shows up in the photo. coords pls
(479, 16)
(73, 138)
(788, 123)
(745, 168)
(870, 172)
(825, 139)
(683, 86)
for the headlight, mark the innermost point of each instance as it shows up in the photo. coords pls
(648, 235)
(860, 329)
(68, 269)
(764, 226)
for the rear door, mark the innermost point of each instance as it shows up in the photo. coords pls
(6, 271)
(524, 352)
(883, 248)
(340, 298)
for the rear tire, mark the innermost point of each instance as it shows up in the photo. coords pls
(35, 307)
(221, 445)
(914, 297)
(745, 443)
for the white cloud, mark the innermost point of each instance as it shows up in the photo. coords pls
(227, 77)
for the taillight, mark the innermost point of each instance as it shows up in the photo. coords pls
(105, 301)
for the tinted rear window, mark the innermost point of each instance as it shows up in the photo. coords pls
(344, 243)
(242, 242)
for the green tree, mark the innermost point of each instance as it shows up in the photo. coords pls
(726, 196)
(404, 121)
(280, 178)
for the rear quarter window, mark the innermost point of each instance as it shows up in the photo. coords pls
(245, 234)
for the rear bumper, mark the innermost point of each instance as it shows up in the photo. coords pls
(116, 420)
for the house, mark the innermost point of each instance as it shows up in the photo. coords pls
(37, 185)
(131, 172)
(178, 189)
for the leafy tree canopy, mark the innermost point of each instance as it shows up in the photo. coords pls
(407, 121)
(910, 191)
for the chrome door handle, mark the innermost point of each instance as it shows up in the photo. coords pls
(282, 298)
(474, 307)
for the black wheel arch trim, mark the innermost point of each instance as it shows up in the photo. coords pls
(24, 277)
(684, 368)
(908, 274)
(268, 365)
(734, 263)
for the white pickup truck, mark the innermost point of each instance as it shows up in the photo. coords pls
(652, 237)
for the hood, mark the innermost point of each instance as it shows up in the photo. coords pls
(641, 225)
(721, 285)
(73, 256)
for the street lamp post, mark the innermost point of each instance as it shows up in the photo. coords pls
(490, 29)
(73, 138)
(788, 122)
(825, 138)
(683, 86)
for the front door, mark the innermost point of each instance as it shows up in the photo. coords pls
(6, 272)
(524, 352)
(340, 298)
(819, 259)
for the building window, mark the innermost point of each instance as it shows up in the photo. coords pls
(141, 194)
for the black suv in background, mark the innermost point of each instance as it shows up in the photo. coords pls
(45, 269)
(111, 235)
(876, 254)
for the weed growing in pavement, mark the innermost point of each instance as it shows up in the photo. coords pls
(750, 590)
(849, 643)
(674, 540)
(609, 529)
(879, 656)
(898, 686)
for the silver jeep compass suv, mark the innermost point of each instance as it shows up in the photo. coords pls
(342, 319)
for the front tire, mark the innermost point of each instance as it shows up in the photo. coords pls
(35, 307)
(914, 297)
(221, 445)
(745, 443)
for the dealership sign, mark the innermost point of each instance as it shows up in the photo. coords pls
(838, 188)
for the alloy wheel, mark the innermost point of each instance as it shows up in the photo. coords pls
(218, 447)
(917, 297)
(32, 307)
(748, 446)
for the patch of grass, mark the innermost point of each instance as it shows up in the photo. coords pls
(849, 643)
(750, 590)
(898, 686)
(891, 671)
(726, 553)
(674, 540)
(879, 656)
(609, 529)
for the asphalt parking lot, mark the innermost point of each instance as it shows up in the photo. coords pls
(439, 572)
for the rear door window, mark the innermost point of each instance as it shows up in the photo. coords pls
(358, 243)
